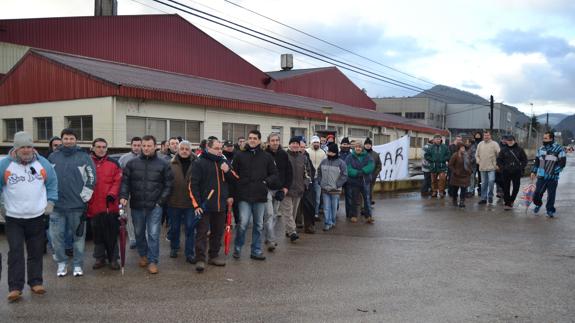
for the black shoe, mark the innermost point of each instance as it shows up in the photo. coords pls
(454, 202)
(200, 266)
(482, 202)
(69, 252)
(191, 260)
(174, 253)
(461, 205)
(293, 237)
(372, 202)
(236, 254)
(100, 263)
(310, 229)
(287, 235)
(272, 246)
(258, 257)
(114, 265)
(490, 200)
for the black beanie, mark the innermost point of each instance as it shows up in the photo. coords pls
(345, 140)
(332, 148)
(367, 141)
(294, 139)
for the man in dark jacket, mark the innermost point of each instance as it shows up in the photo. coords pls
(360, 168)
(103, 207)
(76, 182)
(275, 197)
(257, 173)
(147, 182)
(180, 208)
(368, 145)
(289, 206)
(511, 161)
(210, 197)
(345, 150)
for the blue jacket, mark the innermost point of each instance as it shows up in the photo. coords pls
(549, 161)
(76, 177)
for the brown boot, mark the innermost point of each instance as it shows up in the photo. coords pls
(353, 219)
(14, 295)
(100, 263)
(153, 268)
(370, 220)
(143, 261)
(38, 289)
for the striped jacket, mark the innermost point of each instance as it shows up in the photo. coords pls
(549, 161)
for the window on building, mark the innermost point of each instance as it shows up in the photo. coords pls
(431, 116)
(414, 142)
(415, 115)
(320, 127)
(12, 126)
(82, 126)
(358, 132)
(187, 129)
(231, 131)
(395, 113)
(298, 132)
(381, 139)
(43, 129)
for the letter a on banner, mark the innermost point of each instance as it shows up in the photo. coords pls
(394, 159)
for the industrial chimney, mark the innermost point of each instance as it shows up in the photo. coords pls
(287, 62)
(105, 7)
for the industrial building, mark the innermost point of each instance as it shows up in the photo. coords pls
(121, 76)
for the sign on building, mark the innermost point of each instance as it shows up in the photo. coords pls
(394, 159)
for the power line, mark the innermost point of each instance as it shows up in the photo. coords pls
(327, 42)
(322, 58)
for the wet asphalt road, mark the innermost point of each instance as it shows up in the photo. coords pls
(423, 261)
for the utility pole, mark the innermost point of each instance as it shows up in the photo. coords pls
(491, 114)
(547, 123)
(530, 126)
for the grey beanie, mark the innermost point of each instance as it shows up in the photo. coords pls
(22, 139)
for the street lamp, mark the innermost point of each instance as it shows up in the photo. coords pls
(530, 125)
(326, 111)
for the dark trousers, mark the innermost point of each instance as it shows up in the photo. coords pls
(215, 222)
(508, 178)
(105, 230)
(455, 190)
(348, 193)
(32, 233)
(426, 187)
(549, 185)
(361, 194)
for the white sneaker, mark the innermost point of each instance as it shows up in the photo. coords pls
(78, 271)
(62, 269)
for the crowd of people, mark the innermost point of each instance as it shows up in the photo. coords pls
(257, 181)
(494, 169)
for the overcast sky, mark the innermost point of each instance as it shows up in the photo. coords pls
(520, 51)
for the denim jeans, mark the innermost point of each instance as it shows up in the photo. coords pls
(348, 192)
(270, 217)
(330, 203)
(178, 216)
(361, 194)
(63, 223)
(247, 211)
(68, 241)
(542, 185)
(147, 225)
(317, 190)
(487, 183)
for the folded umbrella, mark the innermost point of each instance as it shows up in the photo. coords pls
(123, 217)
(228, 231)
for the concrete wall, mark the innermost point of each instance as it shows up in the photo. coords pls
(10, 54)
(412, 104)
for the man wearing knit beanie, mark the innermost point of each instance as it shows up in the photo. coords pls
(367, 144)
(29, 187)
(332, 174)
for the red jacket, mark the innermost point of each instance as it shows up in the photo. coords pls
(108, 180)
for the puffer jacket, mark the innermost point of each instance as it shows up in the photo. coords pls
(109, 176)
(332, 174)
(512, 159)
(207, 176)
(437, 156)
(359, 168)
(257, 173)
(147, 182)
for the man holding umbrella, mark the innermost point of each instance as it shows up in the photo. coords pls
(210, 195)
(76, 182)
(103, 207)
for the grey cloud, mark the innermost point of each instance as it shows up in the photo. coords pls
(527, 42)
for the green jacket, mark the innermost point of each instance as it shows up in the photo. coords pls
(437, 156)
(359, 168)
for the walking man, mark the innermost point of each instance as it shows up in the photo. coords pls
(511, 162)
(210, 196)
(486, 157)
(76, 182)
(29, 188)
(103, 207)
(257, 173)
(275, 197)
(180, 208)
(360, 167)
(136, 150)
(147, 183)
(289, 206)
(549, 163)
(437, 155)
(332, 174)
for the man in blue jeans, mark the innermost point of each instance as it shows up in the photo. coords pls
(76, 181)
(486, 157)
(147, 182)
(257, 173)
(549, 162)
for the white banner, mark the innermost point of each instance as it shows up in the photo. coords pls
(394, 159)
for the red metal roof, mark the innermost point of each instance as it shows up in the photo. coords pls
(164, 42)
(327, 83)
(56, 76)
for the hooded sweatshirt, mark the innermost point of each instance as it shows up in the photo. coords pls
(332, 174)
